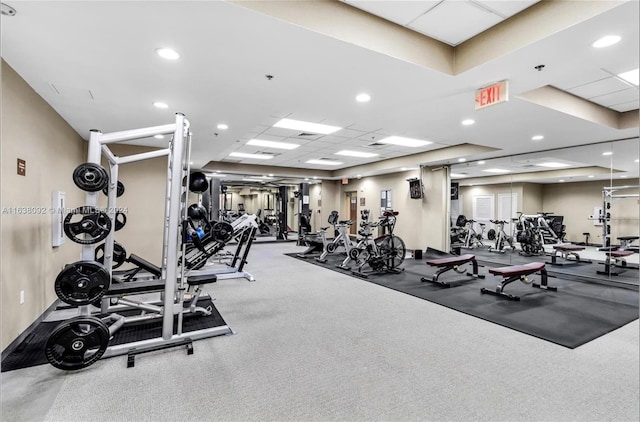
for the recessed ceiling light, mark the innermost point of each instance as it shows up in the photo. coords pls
(630, 76)
(496, 171)
(306, 179)
(272, 144)
(537, 138)
(315, 177)
(222, 126)
(356, 154)
(306, 126)
(160, 105)
(481, 163)
(457, 175)
(167, 53)
(607, 153)
(553, 165)
(324, 162)
(404, 142)
(363, 98)
(270, 174)
(256, 156)
(561, 180)
(468, 122)
(591, 176)
(158, 136)
(462, 160)
(624, 176)
(636, 160)
(606, 41)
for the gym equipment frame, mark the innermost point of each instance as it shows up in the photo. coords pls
(89, 330)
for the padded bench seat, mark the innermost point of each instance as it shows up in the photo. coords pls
(452, 263)
(613, 268)
(518, 272)
(566, 250)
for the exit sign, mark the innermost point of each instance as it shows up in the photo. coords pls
(492, 94)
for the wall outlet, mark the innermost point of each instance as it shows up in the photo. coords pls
(21, 297)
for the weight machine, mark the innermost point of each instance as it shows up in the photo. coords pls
(81, 341)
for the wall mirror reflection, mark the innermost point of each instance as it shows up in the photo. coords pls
(565, 207)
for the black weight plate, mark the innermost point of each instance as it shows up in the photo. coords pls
(119, 255)
(119, 192)
(82, 282)
(222, 231)
(90, 177)
(121, 220)
(77, 343)
(94, 224)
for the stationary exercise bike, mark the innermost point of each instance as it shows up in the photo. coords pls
(472, 239)
(341, 230)
(382, 254)
(501, 238)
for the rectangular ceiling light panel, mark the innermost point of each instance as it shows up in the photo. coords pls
(630, 76)
(272, 144)
(404, 142)
(306, 126)
(356, 154)
(256, 156)
(324, 162)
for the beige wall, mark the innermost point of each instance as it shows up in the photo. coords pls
(33, 131)
(143, 201)
(532, 199)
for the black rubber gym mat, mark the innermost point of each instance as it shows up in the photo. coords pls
(574, 315)
(31, 351)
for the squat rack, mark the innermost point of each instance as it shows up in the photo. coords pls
(607, 194)
(178, 169)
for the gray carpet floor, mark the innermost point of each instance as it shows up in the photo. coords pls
(315, 345)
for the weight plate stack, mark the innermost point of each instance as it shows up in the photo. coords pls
(119, 254)
(82, 283)
(77, 343)
(94, 224)
(90, 177)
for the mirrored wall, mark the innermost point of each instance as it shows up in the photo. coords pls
(516, 208)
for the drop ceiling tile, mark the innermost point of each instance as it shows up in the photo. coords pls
(334, 139)
(278, 131)
(631, 105)
(469, 20)
(348, 133)
(600, 87)
(400, 12)
(507, 8)
(619, 97)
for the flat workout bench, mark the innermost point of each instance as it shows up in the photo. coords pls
(451, 263)
(518, 272)
(565, 251)
(618, 261)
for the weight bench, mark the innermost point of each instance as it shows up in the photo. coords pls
(518, 272)
(141, 264)
(451, 263)
(565, 251)
(626, 242)
(618, 262)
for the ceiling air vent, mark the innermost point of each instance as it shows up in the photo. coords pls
(376, 145)
(307, 134)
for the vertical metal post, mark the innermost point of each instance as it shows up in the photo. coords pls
(172, 224)
(111, 211)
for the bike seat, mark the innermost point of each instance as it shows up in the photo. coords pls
(324, 228)
(347, 222)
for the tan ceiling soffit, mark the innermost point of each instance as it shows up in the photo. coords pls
(559, 100)
(532, 24)
(629, 119)
(393, 164)
(530, 177)
(257, 169)
(344, 22)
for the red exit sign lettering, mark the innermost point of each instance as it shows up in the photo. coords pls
(492, 94)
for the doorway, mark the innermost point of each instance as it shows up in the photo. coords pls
(352, 210)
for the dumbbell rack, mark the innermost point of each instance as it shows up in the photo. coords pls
(178, 154)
